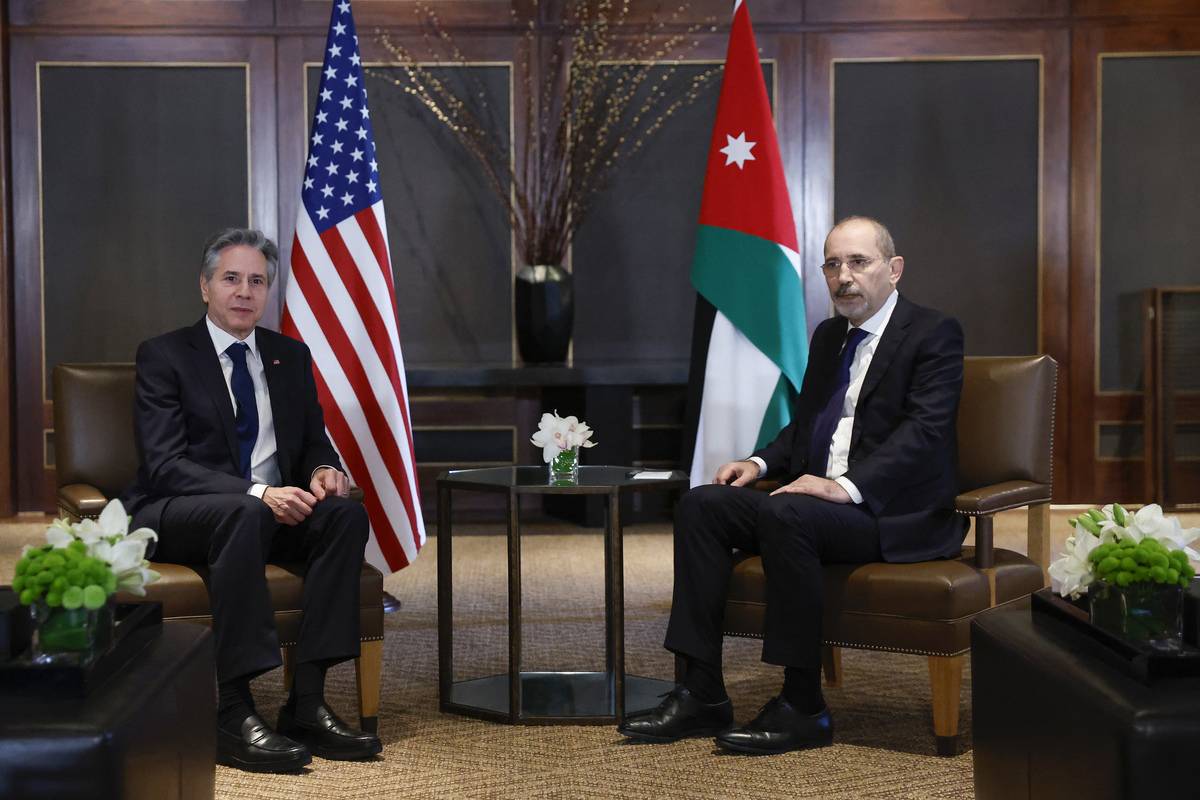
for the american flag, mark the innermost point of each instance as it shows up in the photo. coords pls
(341, 302)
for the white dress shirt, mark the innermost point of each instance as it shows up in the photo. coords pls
(264, 468)
(839, 445)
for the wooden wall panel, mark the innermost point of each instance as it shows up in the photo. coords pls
(875, 11)
(255, 58)
(1051, 48)
(8, 462)
(114, 13)
(1092, 478)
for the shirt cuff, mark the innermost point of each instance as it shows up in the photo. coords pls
(318, 469)
(852, 490)
(762, 466)
(257, 489)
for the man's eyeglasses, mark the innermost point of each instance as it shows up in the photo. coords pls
(856, 264)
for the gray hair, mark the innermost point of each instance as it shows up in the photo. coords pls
(883, 237)
(232, 237)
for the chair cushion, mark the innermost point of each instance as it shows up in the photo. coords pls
(184, 594)
(924, 607)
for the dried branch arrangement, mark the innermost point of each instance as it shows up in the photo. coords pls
(596, 88)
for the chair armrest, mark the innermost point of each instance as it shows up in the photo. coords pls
(1001, 497)
(81, 500)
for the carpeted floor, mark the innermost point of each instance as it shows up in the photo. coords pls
(884, 740)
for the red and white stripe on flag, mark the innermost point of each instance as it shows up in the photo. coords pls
(340, 300)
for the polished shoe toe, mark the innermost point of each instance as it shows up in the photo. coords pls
(679, 716)
(779, 728)
(327, 736)
(257, 748)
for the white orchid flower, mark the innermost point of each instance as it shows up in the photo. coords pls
(555, 434)
(59, 537)
(1073, 571)
(113, 520)
(109, 540)
(1150, 521)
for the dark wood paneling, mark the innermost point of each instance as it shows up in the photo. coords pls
(33, 411)
(1149, 202)
(112, 13)
(824, 11)
(1052, 48)
(1090, 479)
(1132, 8)
(392, 13)
(8, 460)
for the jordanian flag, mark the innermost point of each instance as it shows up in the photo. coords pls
(747, 266)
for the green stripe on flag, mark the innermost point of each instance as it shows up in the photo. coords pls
(778, 413)
(751, 281)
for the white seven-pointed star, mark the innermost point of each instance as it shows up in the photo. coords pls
(738, 150)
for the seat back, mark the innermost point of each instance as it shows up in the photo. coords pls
(93, 426)
(1006, 420)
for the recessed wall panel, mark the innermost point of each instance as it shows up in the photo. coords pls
(139, 166)
(1149, 200)
(447, 230)
(945, 153)
(632, 257)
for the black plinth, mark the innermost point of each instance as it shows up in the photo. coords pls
(545, 697)
(149, 731)
(1051, 717)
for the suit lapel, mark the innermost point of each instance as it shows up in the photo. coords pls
(893, 336)
(277, 388)
(208, 370)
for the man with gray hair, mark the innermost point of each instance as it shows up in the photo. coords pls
(236, 469)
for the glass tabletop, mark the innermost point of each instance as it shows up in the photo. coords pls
(538, 478)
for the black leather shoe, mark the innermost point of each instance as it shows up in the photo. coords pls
(679, 716)
(328, 736)
(779, 728)
(257, 748)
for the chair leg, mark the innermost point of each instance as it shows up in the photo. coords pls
(289, 665)
(831, 665)
(945, 675)
(1039, 537)
(368, 670)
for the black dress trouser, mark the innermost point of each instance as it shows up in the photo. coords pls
(234, 536)
(793, 533)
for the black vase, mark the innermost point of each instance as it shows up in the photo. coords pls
(545, 309)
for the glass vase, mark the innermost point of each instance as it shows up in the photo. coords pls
(1144, 613)
(76, 636)
(564, 467)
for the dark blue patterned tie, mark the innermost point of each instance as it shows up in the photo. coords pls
(247, 406)
(827, 420)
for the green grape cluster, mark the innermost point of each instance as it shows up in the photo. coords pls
(1127, 562)
(66, 577)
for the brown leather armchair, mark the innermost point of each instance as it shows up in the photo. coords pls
(96, 458)
(1005, 434)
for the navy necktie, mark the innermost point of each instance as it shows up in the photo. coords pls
(826, 421)
(247, 407)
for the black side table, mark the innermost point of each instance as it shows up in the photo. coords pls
(545, 697)
(1052, 719)
(149, 731)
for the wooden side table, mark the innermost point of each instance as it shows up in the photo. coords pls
(521, 697)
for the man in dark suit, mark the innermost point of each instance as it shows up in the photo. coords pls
(235, 469)
(868, 468)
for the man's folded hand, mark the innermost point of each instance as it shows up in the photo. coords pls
(290, 504)
(737, 473)
(817, 487)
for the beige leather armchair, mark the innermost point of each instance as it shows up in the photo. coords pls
(1005, 436)
(96, 458)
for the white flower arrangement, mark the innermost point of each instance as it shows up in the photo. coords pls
(556, 434)
(1102, 535)
(109, 540)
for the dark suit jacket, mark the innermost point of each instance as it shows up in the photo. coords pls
(904, 448)
(184, 420)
